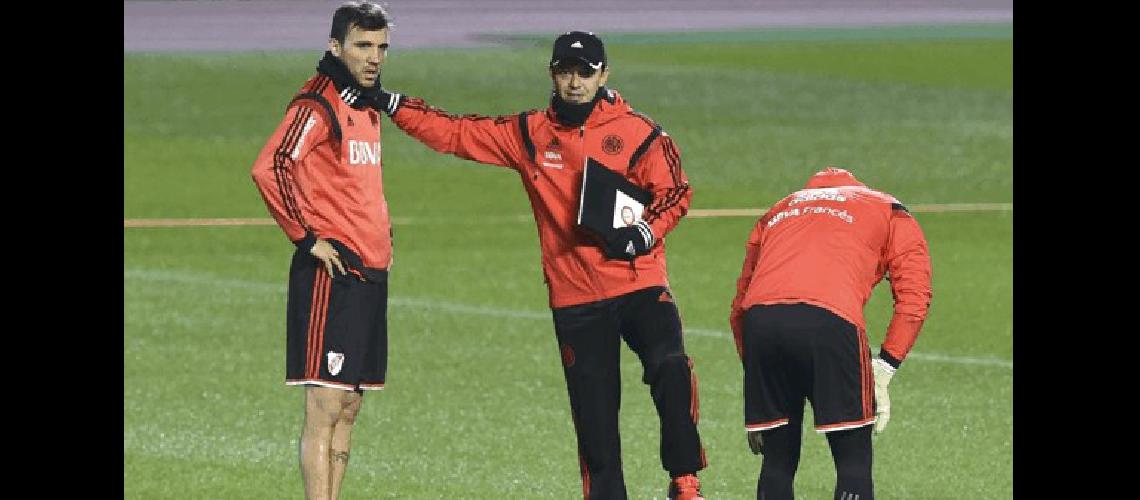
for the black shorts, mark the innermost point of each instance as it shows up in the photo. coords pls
(797, 351)
(337, 327)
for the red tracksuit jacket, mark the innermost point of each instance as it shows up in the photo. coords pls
(318, 185)
(828, 245)
(549, 158)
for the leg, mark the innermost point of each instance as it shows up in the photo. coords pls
(842, 399)
(376, 349)
(309, 291)
(323, 407)
(588, 340)
(365, 341)
(776, 376)
(851, 450)
(341, 436)
(781, 459)
(651, 326)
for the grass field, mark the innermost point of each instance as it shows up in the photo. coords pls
(475, 405)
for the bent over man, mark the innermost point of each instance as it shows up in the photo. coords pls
(600, 292)
(320, 177)
(797, 318)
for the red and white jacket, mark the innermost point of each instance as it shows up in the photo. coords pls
(321, 176)
(828, 245)
(549, 158)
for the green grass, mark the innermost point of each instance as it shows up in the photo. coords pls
(475, 400)
(930, 121)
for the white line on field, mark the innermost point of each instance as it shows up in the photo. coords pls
(191, 278)
(403, 221)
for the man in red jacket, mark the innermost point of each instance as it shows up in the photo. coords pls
(600, 292)
(797, 319)
(320, 176)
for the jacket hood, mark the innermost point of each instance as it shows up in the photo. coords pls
(832, 177)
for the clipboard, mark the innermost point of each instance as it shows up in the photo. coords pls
(608, 200)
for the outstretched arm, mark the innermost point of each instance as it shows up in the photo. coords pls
(495, 140)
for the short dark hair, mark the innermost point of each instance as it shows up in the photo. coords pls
(362, 14)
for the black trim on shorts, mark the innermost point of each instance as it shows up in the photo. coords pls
(352, 260)
(306, 243)
(335, 315)
(797, 351)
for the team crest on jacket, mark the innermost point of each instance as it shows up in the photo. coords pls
(612, 144)
(336, 361)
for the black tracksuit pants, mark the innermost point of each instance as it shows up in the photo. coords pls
(589, 337)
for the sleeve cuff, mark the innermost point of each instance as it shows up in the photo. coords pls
(891, 360)
(307, 242)
(393, 103)
(646, 233)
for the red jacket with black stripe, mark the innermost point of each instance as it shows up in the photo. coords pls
(549, 158)
(321, 176)
(828, 245)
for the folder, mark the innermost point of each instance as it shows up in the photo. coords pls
(608, 200)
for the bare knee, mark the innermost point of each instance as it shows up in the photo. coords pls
(323, 405)
(351, 408)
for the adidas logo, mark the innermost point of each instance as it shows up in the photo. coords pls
(349, 95)
(629, 248)
(576, 45)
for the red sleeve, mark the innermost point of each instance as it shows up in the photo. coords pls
(274, 170)
(495, 140)
(659, 171)
(908, 265)
(751, 255)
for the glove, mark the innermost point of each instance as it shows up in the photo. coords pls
(756, 442)
(386, 101)
(883, 372)
(630, 241)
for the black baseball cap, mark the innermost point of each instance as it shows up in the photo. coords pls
(579, 45)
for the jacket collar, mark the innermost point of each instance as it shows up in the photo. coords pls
(607, 105)
(832, 177)
(350, 91)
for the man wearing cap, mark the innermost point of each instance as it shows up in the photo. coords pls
(600, 291)
(797, 318)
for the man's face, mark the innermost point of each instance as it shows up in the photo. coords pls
(363, 52)
(576, 82)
